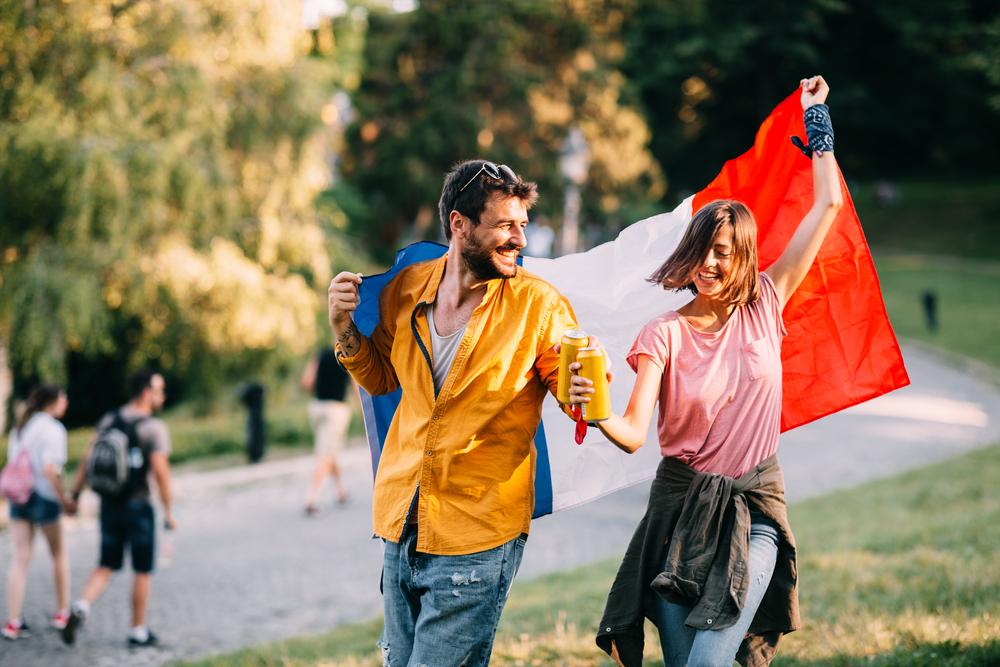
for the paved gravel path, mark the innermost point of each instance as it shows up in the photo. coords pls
(248, 567)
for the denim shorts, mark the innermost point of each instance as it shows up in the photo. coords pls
(128, 523)
(37, 510)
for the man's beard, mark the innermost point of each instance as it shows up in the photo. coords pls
(480, 261)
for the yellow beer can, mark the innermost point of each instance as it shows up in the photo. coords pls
(592, 367)
(572, 341)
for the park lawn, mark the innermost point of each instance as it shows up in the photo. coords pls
(968, 297)
(939, 217)
(895, 573)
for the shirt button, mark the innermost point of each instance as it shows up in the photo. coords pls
(709, 621)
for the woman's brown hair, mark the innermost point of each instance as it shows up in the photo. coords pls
(742, 284)
(40, 397)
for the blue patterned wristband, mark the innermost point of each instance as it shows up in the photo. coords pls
(819, 131)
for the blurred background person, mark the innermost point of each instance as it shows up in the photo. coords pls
(127, 517)
(40, 433)
(329, 416)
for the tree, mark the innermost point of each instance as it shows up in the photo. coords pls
(911, 80)
(158, 167)
(502, 80)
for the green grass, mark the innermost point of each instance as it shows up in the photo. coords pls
(903, 569)
(895, 573)
(933, 217)
(968, 296)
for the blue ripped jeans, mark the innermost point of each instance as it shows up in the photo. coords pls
(443, 611)
(687, 647)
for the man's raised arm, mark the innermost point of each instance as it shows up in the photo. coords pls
(367, 360)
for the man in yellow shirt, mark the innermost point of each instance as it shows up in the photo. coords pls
(470, 339)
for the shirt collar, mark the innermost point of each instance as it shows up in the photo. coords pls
(429, 294)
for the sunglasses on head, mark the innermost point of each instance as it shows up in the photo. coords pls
(494, 171)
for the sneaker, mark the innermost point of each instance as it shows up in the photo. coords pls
(60, 619)
(73, 623)
(15, 630)
(151, 640)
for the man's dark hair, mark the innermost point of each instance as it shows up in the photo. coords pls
(471, 201)
(139, 382)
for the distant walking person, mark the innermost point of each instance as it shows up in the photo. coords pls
(930, 302)
(329, 416)
(40, 434)
(134, 442)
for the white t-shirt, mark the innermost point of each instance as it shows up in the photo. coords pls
(443, 350)
(44, 436)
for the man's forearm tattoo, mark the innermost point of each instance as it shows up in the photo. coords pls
(350, 340)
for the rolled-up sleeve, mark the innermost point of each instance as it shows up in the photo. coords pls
(561, 319)
(371, 366)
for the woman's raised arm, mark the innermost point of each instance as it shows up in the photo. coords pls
(791, 268)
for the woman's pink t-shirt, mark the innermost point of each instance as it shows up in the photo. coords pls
(720, 397)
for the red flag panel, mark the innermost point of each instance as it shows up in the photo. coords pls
(840, 348)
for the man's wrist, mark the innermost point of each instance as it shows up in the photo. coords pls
(348, 340)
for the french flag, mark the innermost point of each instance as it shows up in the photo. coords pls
(840, 349)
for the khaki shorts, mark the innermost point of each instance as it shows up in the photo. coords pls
(329, 421)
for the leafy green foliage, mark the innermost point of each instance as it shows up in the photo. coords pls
(158, 165)
(914, 85)
(504, 81)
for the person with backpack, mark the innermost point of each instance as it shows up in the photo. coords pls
(36, 453)
(131, 444)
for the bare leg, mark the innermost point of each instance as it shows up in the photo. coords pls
(335, 473)
(22, 533)
(320, 473)
(96, 584)
(140, 598)
(60, 562)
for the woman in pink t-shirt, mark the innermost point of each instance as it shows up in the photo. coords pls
(713, 370)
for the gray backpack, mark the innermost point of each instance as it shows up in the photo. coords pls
(108, 471)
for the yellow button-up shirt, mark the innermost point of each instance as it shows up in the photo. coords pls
(469, 449)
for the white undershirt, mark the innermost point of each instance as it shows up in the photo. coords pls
(443, 349)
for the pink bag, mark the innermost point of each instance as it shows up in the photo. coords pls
(17, 478)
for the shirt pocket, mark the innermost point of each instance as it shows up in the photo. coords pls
(758, 359)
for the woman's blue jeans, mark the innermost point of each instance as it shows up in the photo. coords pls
(442, 611)
(685, 646)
